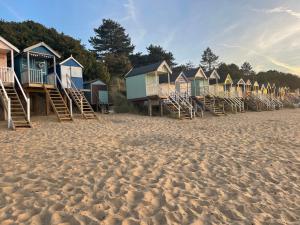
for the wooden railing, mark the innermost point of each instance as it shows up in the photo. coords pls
(62, 87)
(7, 104)
(34, 77)
(27, 100)
(6, 75)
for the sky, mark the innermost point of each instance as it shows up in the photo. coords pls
(265, 33)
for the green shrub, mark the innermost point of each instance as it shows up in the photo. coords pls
(122, 105)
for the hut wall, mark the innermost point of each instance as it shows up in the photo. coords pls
(136, 87)
(75, 73)
(3, 60)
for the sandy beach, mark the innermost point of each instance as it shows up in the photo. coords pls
(128, 169)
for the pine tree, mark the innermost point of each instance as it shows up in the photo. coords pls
(111, 38)
(209, 60)
(247, 69)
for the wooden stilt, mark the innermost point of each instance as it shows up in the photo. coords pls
(150, 107)
(47, 105)
(161, 108)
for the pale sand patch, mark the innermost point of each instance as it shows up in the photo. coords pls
(127, 169)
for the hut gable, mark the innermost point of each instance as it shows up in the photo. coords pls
(256, 84)
(4, 44)
(248, 83)
(181, 78)
(213, 75)
(241, 82)
(42, 48)
(71, 62)
(228, 80)
(161, 67)
(195, 73)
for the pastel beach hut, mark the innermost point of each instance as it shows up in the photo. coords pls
(96, 92)
(71, 74)
(255, 88)
(12, 109)
(241, 88)
(36, 68)
(151, 85)
(148, 82)
(248, 86)
(198, 82)
(213, 81)
(179, 83)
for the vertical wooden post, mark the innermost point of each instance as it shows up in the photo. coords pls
(28, 68)
(54, 67)
(161, 108)
(149, 107)
(12, 59)
(47, 105)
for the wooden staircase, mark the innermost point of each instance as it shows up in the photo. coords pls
(210, 105)
(58, 104)
(253, 104)
(82, 103)
(175, 108)
(18, 114)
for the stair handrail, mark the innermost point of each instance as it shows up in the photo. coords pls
(185, 102)
(9, 120)
(27, 100)
(76, 89)
(177, 106)
(70, 100)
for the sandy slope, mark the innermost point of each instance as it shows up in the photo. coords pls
(126, 169)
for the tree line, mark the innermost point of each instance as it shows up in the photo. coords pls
(112, 54)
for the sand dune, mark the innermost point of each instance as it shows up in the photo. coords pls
(127, 169)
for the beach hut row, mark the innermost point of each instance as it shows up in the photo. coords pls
(33, 82)
(189, 93)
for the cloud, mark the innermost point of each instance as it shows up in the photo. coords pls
(276, 62)
(270, 38)
(130, 10)
(12, 11)
(279, 9)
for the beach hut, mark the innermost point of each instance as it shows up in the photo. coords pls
(255, 89)
(263, 89)
(96, 92)
(150, 85)
(269, 88)
(11, 107)
(241, 88)
(248, 86)
(70, 72)
(223, 85)
(213, 81)
(198, 82)
(179, 82)
(274, 90)
(36, 68)
(146, 82)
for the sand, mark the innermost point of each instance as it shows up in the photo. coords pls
(128, 169)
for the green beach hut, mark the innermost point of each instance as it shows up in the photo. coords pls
(148, 82)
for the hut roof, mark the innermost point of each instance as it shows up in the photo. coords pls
(9, 44)
(94, 81)
(175, 74)
(192, 73)
(213, 74)
(148, 69)
(71, 58)
(42, 44)
(240, 81)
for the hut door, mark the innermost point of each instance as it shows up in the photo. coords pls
(151, 85)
